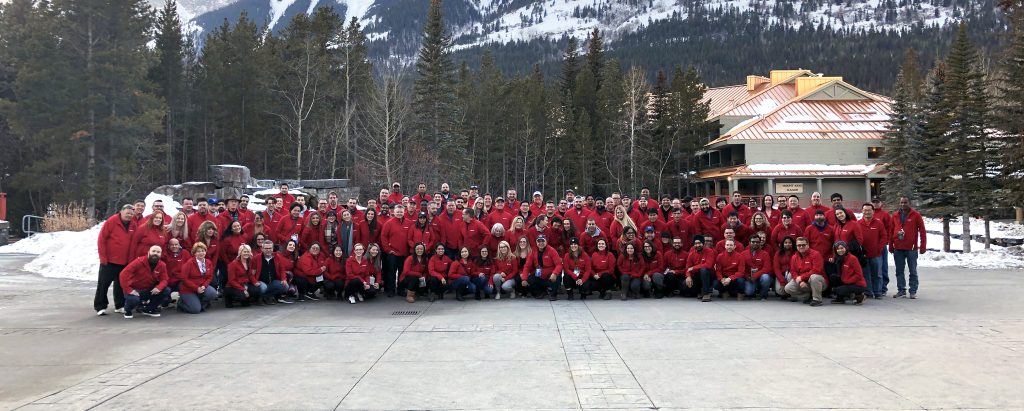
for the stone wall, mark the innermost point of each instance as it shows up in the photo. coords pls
(232, 181)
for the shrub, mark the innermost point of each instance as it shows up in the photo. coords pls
(66, 217)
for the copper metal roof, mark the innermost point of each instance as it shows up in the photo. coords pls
(793, 170)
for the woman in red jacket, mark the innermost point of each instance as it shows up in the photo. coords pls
(851, 276)
(506, 266)
(233, 239)
(576, 265)
(153, 233)
(256, 226)
(360, 281)
(481, 269)
(207, 234)
(414, 272)
(334, 279)
(517, 231)
(309, 272)
(602, 265)
(179, 229)
(773, 214)
(368, 230)
(313, 232)
(437, 270)
(653, 266)
(459, 275)
(631, 270)
(242, 285)
(422, 232)
(194, 291)
(780, 265)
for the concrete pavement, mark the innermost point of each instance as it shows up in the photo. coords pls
(961, 345)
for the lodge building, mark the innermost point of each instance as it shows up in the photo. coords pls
(794, 132)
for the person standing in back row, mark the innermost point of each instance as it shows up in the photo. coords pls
(908, 240)
(114, 248)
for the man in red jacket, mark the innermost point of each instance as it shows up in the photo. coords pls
(284, 196)
(707, 221)
(472, 232)
(542, 270)
(114, 248)
(447, 227)
(700, 264)
(732, 269)
(201, 215)
(394, 239)
(875, 236)
(742, 211)
(907, 240)
(145, 280)
(808, 274)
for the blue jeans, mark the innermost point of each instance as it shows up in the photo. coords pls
(908, 259)
(194, 303)
(131, 301)
(760, 287)
(480, 283)
(885, 270)
(274, 289)
(462, 285)
(873, 276)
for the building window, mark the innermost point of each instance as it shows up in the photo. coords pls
(875, 152)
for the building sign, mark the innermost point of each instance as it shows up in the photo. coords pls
(789, 188)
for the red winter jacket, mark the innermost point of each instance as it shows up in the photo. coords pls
(675, 260)
(720, 247)
(477, 267)
(578, 218)
(732, 265)
(709, 226)
(190, 278)
(359, 270)
(550, 264)
(413, 268)
(288, 227)
(848, 232)
(698, 260)
(743, 212)
(801, 218)
(314, 233)
(425, 235)
(760, 261)
(139, 276)
(114, 242)
(914, 235)
(335, 269)
(780, 265)
(633, 268)
(195, 220)
(821, 240)
(239, 276)
(448, 230)
(495, 216)
(780, 232)
(438, 266)
(603, 220)
(394, 236)
(589, 242)
(874, 236)
(655, 264)
(309, 266)
(508, 267)
(472, 235)
(801, 267)
(281, 265)
(175, 264)
(458, 269)
(363, 235)
(681, 230)
(583, 264)
(229, 245)
(145, 237)
(602, 263)
(850, 271)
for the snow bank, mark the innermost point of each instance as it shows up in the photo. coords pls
(64, 254)
(1003, 258)
(999, 229)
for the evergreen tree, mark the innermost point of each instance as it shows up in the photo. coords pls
(901, 142)
(435, 99)
(690, 112)
(595, 55)
(935, 201)
(570, 68)
(1010, 109)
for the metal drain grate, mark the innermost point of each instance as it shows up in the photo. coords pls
(406, 313)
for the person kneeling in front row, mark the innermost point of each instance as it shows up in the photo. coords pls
(243, 286)
(145, 280)
(194, 288)
(850, 274)
(807, 269)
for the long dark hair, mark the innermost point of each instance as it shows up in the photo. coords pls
(782, 245)
(643, 251)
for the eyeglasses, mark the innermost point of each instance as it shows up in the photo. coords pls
(801, 245)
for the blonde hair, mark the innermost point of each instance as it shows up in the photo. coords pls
(179, 232)
(199, 245)
(244, 247)
(508, 255)
(626, 221)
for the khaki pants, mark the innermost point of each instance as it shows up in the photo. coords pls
(816, 283)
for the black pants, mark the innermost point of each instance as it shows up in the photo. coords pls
(602, 285)
(355, 286)
(844, 291)
(542, 284)
(392, 267)
(666, 284)
(220, 278)
(109, 274)
(707, 281)
(334, 288)
(699, 279)
(412, 283)
(305, 286)
(234, 295)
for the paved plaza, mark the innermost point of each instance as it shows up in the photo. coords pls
(961, 345)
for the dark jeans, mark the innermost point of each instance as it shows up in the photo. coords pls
(735, 287)
(411, 283)
(220, 277)
(708, 281)
(602, 285)
(635, 285)
(541, 284)
(844, 291)
(234, 295)
(109, 274)
(355, 286)
(154, 300)
(392, 267)
(666, 284)
(305, 286)
(334, 288)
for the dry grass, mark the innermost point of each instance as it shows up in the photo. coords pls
(66, 217)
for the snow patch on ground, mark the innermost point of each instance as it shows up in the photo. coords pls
(64, 254)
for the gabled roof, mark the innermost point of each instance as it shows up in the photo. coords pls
(723, 100)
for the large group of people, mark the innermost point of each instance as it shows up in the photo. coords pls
(467, 245)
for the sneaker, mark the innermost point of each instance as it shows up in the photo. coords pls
(901, 294)
(119, 310)
(838, 300)
(879, 296)
(913, 296)
(497, 295)
(607, 296)
(859, 299)
(101, 313)
(815, 303)
(706, 298)
(312, 296)
(128, 315)
(351, 299)
(282, 300)
(151, 313)
(359, 296)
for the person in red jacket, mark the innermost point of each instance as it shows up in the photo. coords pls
(820, 233)
(707, 221)
(437, 270)
(414, 272)
(481, 270)
(290, 227)
(194, 291)
(786, 228)
(313, 232)
(807, 273)
(631, 269)
(334, 279)
(394, 239)
(731, 267)
(542, 270)
(602, 267)
(701, 276)
(590, 235)
(272, 272)
(232, 240)
(576, 264)
(285, 197)
(148, 235)
(674, 258)
(360, 281)
(851, 277)
(883, 215)
(471, 232)
(447, 228)
(175, 257)
(145, 279)
(243, 286)
(506, 268)
(114, 244)
(780, 265)
(875, 237)
(310, 272)
(201, 215)
(800, 216)
(742, 211)
(654, 266)
(578, 214)
(759, 266)
(368, 231)
(908, 239)
(459, 275)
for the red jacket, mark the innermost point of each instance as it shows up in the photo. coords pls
(830, 215)
(659, 227)
(282, 265)
(360, 270)
(239, 276)
(700, 260)
(394, 236)
(476, 267)
(710, 226)
(603, 220)
(579, 218)
(633, 268)
(849, 231)
(874, 236)
(681, 230)
(820, 240)
(760, 261)
(175, 264)
(309, 267)
(137, 275)
(801, 267)
(850, 271)
(780, 265)
(675, 260)
(288, 199)
(190, 278)
(508, 267)
(438, 266)
(801, 218)
(425, 235)
(602, 263)
(589, 242)
(195, 220)
(413, 268)
(732, 265)
(114, 242)
(246, 217)
(288, 227)
(914, 235)
(364, 235)
(335, 269)
(472, 235)
(655, 264)
(494, 217)
(229, 246)
(883, 215)
(458, 269)
(145, 237)
(780, 232)
(582, 264)
(310, 234)
(550, 263)
(448, 230)
(743, 211)
(720, 247)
